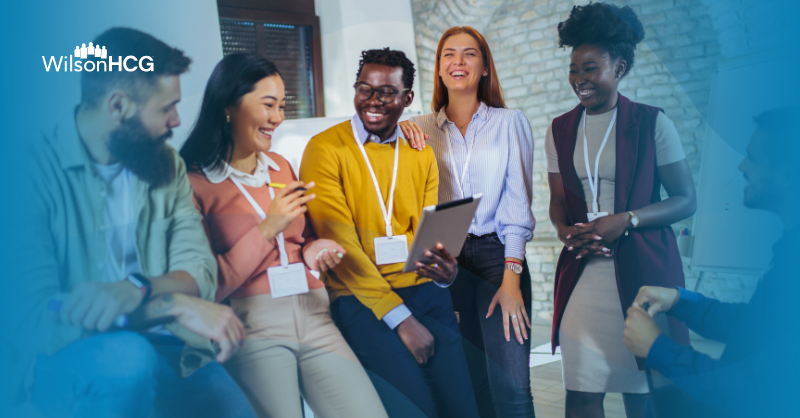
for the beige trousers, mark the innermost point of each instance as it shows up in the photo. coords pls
(294, 349)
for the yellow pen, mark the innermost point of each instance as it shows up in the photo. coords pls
(283, 186)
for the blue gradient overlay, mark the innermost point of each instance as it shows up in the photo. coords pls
(757, 70)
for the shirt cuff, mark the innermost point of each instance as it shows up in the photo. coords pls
(515, 246)
(685, 305)
(397, 315)
(445, 286)
(661, 353)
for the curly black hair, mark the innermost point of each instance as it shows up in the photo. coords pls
(616, 29)
(389, 58)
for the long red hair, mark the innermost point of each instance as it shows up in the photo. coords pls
(489, 90)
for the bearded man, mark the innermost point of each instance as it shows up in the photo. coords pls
(113, 279)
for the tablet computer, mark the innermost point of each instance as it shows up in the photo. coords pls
(447, 224)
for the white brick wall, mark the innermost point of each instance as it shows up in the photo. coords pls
(673, 69)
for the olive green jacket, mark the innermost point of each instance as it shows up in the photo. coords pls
(62, 201)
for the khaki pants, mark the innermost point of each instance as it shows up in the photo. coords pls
(293, 348)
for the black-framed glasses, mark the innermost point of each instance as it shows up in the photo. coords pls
(385, 94)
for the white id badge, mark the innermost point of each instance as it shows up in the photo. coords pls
(287, 281)
(390, 250)
(594, 215)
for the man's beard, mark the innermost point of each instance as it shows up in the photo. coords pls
(147, 157)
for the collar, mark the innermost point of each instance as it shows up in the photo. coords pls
(68, 145)
(482, 113)
(224, 171)
(365, 136)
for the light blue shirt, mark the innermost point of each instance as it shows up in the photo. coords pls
(399, 314)
(500, 166)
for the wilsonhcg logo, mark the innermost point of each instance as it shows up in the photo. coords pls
(75, 63)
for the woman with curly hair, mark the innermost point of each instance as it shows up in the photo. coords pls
(607, 160)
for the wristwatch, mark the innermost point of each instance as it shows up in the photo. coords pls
(515, 267)
(142, 283)
(634, 219)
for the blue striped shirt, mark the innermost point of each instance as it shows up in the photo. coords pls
(500, 167)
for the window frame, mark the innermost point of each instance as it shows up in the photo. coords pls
(302, 19)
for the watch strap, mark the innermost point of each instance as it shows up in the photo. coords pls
(146, 286)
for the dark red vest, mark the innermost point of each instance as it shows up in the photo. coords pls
(647, 256)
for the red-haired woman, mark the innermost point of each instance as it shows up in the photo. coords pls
(482, 147)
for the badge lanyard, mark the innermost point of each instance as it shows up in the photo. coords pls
(386, 210)
(391, 248)
(286, 279)
(263, 215)
(593, 181)
(466, 162)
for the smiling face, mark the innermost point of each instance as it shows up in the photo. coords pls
(258, 114)
(381, 118)
(593, 78)
(461, 64)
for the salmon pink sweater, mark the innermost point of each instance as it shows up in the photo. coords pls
(231, 223)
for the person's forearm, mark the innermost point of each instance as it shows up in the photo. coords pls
(708, 317)
(158, 310)
(682, 202)
(177, 281)
(666, 212)
(510, 278)
(558, 216)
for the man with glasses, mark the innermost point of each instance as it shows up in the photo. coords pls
(371, 188)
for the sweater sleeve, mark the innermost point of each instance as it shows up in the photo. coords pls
(308, 231)
(240, 263)
(332, 218)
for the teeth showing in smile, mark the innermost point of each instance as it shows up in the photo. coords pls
(584, 93)
(266, 132)
(374, 115)
(458, 74)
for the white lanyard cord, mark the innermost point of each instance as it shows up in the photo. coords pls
(466, 162)
(386, 210)
(260, 212)
(594, 180)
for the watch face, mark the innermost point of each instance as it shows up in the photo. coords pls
(516, 268)
(635, 221)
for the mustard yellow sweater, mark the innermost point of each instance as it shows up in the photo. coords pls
(347, 210)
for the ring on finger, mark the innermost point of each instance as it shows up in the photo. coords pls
(513, 317)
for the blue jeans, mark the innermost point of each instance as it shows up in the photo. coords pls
(441, 387)
(499, 369)
(124, 374)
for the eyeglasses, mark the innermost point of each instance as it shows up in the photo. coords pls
(385, 94)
